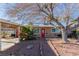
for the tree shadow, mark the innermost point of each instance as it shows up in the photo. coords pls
(20, 49)
(46, 49)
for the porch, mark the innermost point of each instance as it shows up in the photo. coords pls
(49, 31)
(8, 30)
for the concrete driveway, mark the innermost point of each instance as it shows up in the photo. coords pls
(29, 48)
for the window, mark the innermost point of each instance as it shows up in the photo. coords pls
(36, 30)
(53, 30)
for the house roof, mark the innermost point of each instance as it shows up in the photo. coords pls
(42, 25)
(35, 25)
(7, 21)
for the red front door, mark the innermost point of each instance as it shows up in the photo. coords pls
(42, 33)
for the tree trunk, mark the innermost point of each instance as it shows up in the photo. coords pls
(64, 36)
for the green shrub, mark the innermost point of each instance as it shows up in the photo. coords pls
(74, 35)
(27, 33)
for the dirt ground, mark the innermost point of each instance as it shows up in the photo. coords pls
(66, 49)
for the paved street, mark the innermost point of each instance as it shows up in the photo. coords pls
(29, 48)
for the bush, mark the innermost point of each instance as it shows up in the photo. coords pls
(72, 34)
(5, 34)
(27, 33)
(23, 35)
(77, 34)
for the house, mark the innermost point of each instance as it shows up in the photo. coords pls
(9, 27)
(48, 30)
(14, 29)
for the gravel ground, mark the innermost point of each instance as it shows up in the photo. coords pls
(66, 49)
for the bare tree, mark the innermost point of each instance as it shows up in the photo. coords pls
(66, 17)
(46, 11)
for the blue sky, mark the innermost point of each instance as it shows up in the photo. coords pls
(2, 11)
(5, 6)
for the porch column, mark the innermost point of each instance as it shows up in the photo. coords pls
(0, 36)
(18, 32)
(0, 30)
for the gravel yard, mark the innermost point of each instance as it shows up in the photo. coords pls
(63, 49)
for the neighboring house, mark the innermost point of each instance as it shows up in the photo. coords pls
(9, 27)
(49, 30)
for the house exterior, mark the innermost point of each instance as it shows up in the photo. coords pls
(14, 29)
(48, 30)
(9, 27)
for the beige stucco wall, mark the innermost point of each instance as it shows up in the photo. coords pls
(48, 32)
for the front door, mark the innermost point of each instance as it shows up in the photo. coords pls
(42, 33)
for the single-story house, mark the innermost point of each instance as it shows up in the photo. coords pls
(9, 27)
(14, 29)
(48, 30)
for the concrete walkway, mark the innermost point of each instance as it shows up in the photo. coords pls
(7, 43)
(29, 48)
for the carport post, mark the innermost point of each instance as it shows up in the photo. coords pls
(18, 32)
(0, 36)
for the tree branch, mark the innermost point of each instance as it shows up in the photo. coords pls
(42, 10)
(56, 20)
